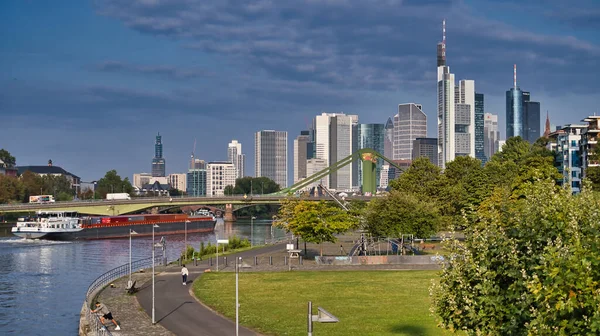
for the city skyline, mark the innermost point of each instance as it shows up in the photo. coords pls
(94, 98)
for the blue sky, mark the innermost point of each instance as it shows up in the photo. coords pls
(89, 84)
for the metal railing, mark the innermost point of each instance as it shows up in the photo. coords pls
(96, 328)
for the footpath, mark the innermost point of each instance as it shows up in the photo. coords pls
(177, 312)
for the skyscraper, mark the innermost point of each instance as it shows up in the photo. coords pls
(219, 175)
(235, 156)
(491, 135)
(158, 163)
(301, 147)
(514, 109)
(334, 141)
(445, 105)
(388, 142)
(409, 123)
(371, 136)
(464, 122)
(425, 147)
(531, 118)
(479, 128)
(271, 156)
(196, 181)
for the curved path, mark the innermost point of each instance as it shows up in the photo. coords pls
(179, 312)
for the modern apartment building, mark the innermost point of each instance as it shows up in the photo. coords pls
(335, 138)
(235, 156)
(567, 144)
(425, 147)
(589, 141)
(301, 154)
(271, 156)
(196, 178)
(371, 136)
(158, 162)
(409, 123)
(491, 135)
(218, 176)
(178, 181)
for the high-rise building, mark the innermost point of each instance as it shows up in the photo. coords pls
(491, 135)
(271, 156)
(384, 175)
(219, 175)
(178, 181)
(445, 105)
(301, 148)
(531, 118)
(479, 128)
(371, 136)
(355, 146)
(409, 123)
(464, 122)
(335, 140)
(235, 156)
(388, 143)
(425, 147)
(158, 163)
(314, 166)
(196, 178)
(514, 109)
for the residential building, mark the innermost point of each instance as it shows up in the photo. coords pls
(235, 156)
(271, 156)
(158, 163)
(371, 136)
(178, 181)
(480, 128)
(196, 180)
(8, 170)
(409, 123)
(334, 140)
(589, 141)
(50, 169)
(491, 135)
(464, 122)
(301, 150)
(218, 176)
(388, 142)
(314, 166)
(425, 147)
(140, 179)
(567, 145)
(445, 105)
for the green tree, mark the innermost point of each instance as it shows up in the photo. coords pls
(7, 158)
(55, 185)
(228, 191)
(11, 189)
(112, 183)
(33, 184)
(402, 213)
(254, 186)
(315, 222)
(529, 266)
(421, 178)
(515, 149)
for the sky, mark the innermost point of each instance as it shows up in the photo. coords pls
(89, 84)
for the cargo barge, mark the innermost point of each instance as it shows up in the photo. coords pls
(61, 225)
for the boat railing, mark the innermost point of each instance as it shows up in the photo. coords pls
(102, 281)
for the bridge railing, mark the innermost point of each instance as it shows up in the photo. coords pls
(96, 328)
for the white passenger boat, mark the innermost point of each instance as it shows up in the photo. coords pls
(47, 223)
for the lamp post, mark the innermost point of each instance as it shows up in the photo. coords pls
(131, 232)
(185, 239)
(237, 302)
(252, 218)
(153, 310)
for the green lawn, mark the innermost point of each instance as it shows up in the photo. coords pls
(366, 303)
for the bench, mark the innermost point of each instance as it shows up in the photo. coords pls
(131, 289)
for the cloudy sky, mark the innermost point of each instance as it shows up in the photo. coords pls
(88, 84)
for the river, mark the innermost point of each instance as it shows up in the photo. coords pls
(43, 283)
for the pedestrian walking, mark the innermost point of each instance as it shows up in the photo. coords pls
(184, 274)
(106, 314)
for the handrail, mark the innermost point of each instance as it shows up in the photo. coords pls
(103, 280)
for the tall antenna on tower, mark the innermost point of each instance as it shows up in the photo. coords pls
(444, 39)
(515, 76)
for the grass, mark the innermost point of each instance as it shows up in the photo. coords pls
(366, 302)
(223, 254)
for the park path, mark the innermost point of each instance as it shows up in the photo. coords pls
(178, 311)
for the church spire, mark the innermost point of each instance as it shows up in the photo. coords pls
(547, 130)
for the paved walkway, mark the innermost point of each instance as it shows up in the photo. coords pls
(178, 311)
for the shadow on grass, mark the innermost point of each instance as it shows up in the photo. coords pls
(409, 330)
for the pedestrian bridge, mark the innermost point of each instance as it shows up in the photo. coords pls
(121, 207)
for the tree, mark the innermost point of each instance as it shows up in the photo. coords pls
(11, 189)
(7, 158)
(529, 265)
(402, 213)
(422, 178)
(315, 222)
(55, 185)
(33, 184)
(253, 185)
(515, 149)
(112, 183)
(228, 191)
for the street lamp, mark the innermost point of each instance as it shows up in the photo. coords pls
(252, 231)
(185, 239)
(153, 310)
(237, 302)
(131, 232)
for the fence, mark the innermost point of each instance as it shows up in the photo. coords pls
(103, 280)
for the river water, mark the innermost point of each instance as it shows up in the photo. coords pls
(43, 283)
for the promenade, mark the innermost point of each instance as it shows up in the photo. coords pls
(177, 311)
